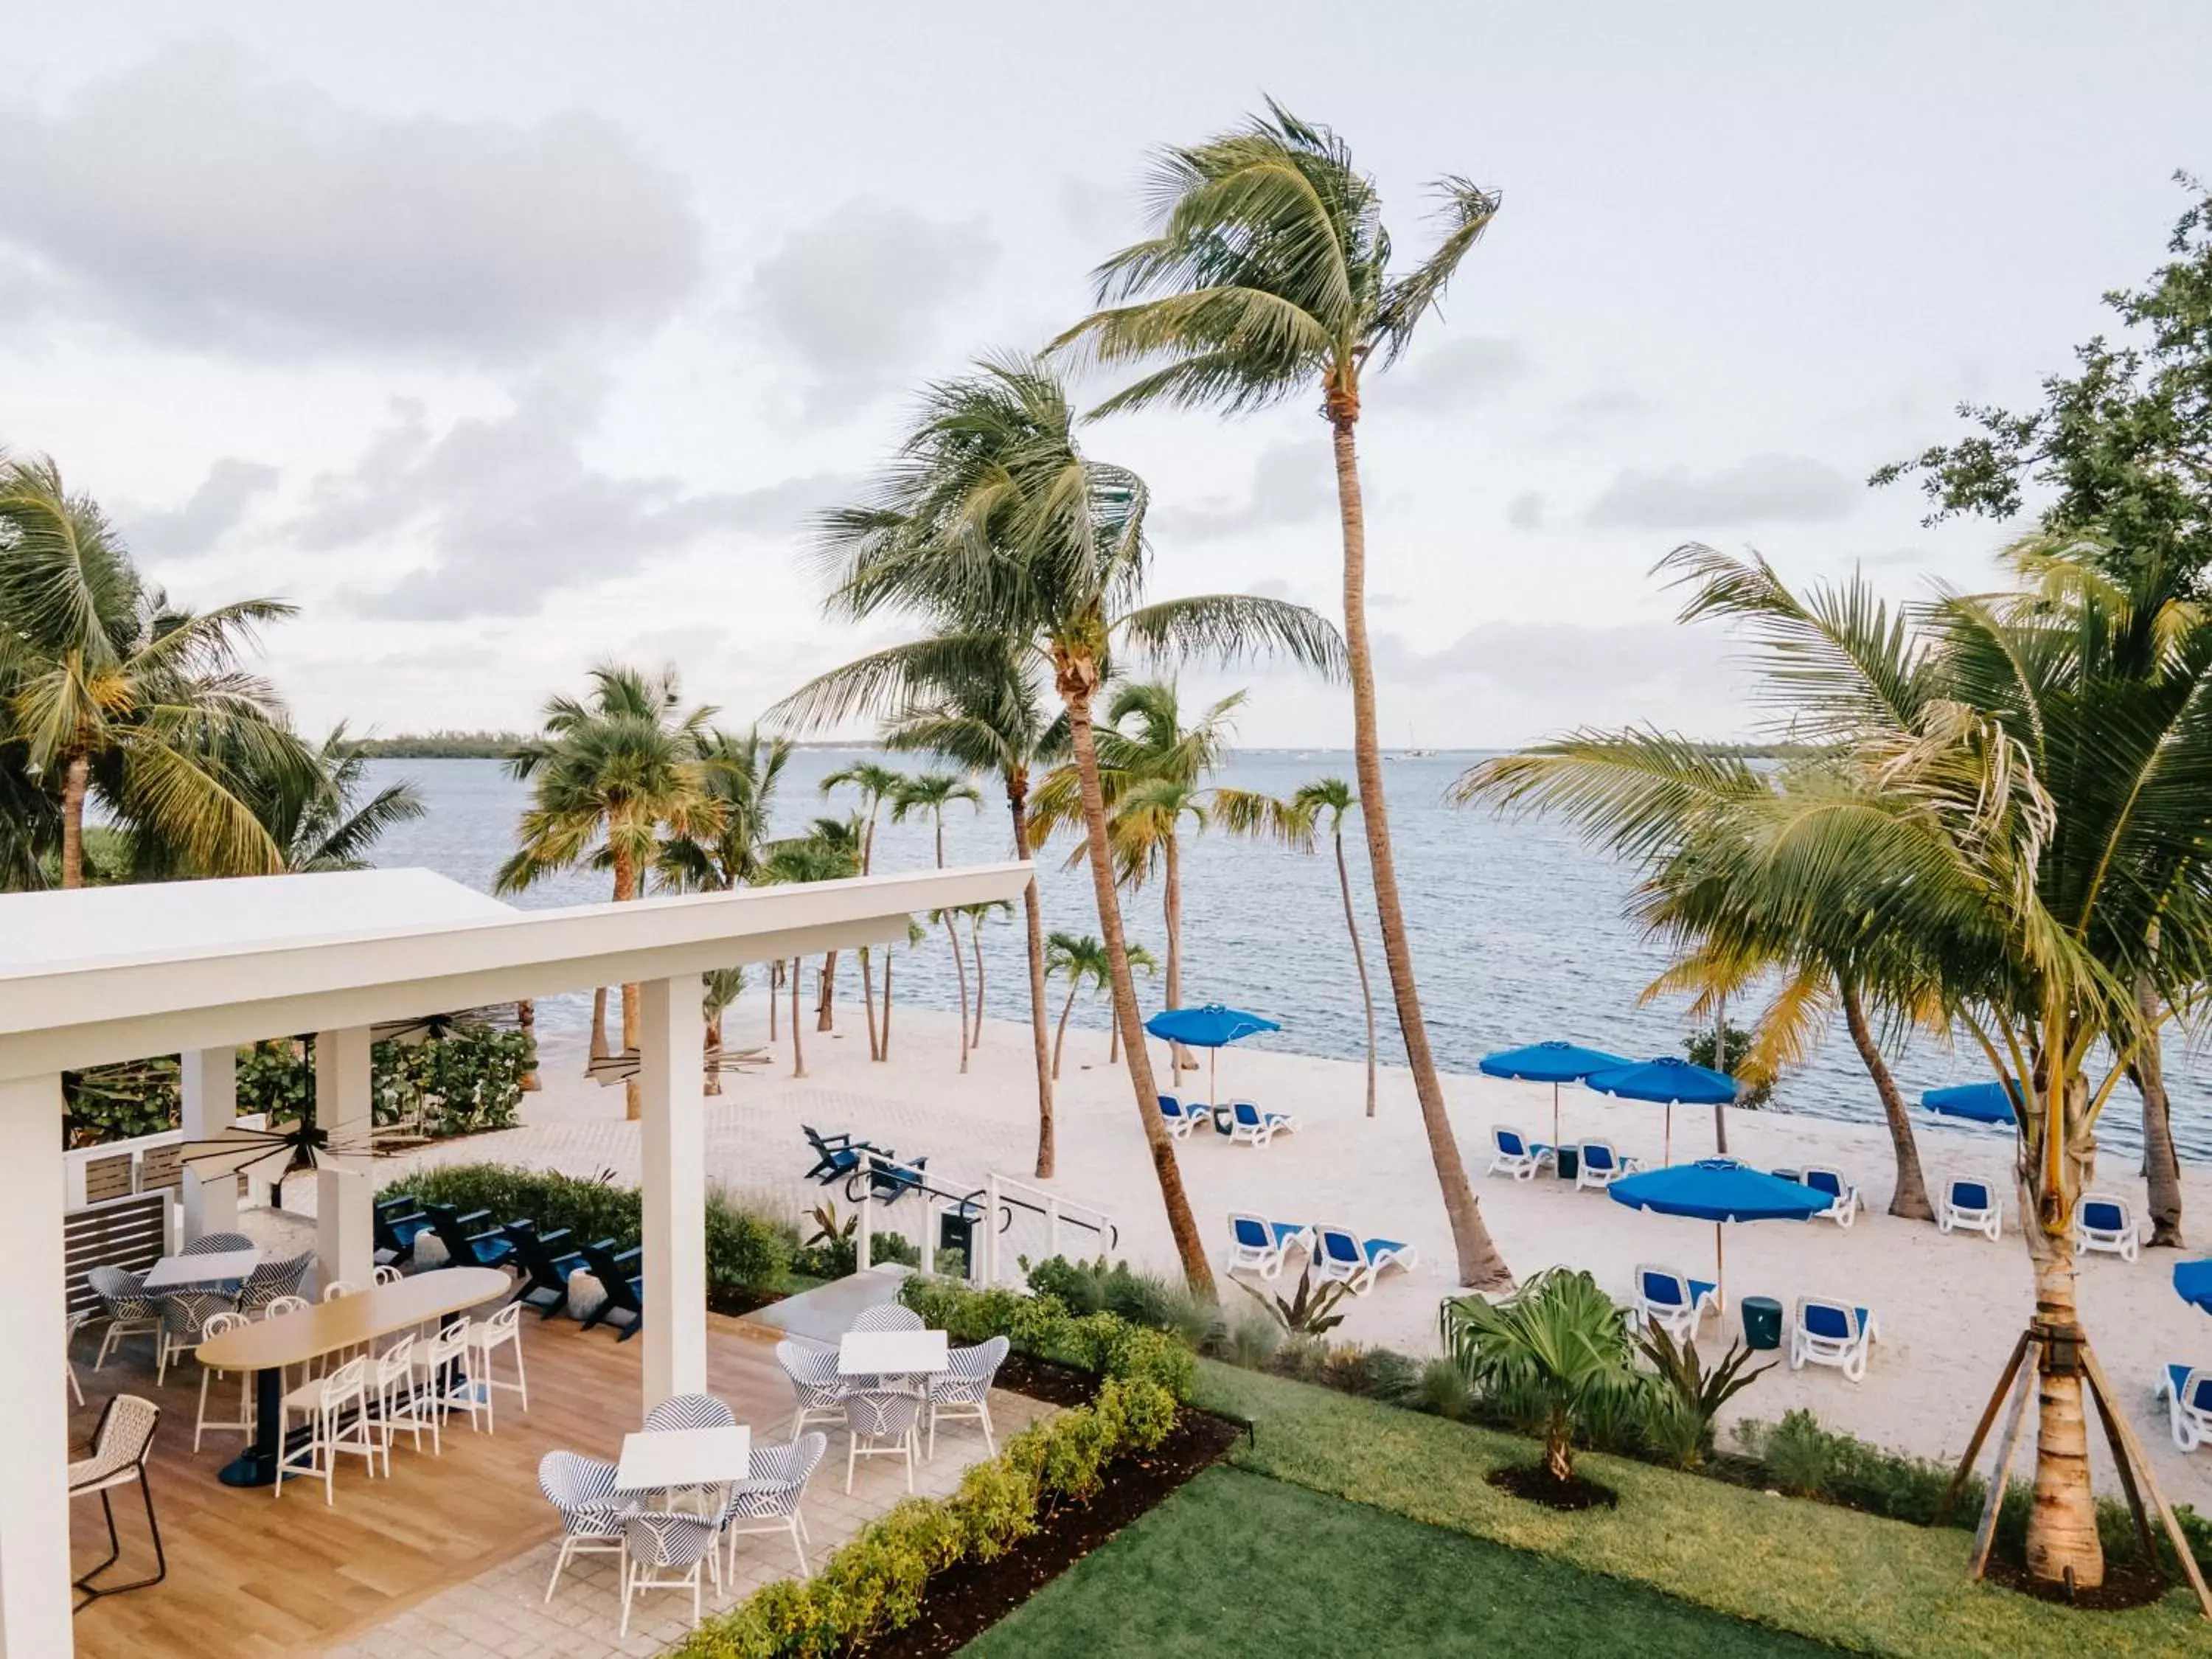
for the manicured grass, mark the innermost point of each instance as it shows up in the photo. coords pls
(1836, 1575)
(1235, 1566)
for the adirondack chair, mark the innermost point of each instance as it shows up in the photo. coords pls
(624, 1308)
(398, 1221)
(465, 1249)
(887, 1185)
(835, 1156)
(545, 1265)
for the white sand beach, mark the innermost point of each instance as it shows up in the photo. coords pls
(1949, 1308)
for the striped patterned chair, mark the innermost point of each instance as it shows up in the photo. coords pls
(582, 1491)
(767, 1500)
(689, 1411)
(272, 1280)
(812, 1368)
(963, 1390)
(131, 1309)
(665, 1549)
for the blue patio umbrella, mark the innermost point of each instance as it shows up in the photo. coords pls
(2192, 1282)
(1553, 1062)
(1670, 1081)
(1977, 1102)
(1212, 1027)
(1719, 1190)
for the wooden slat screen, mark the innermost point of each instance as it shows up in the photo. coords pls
(131, 1233)
(161, 1166)
(107, 1177)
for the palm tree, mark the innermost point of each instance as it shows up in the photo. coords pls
(728, 849)
(994, 530)
(1083, 961)
(977, 914)
(1270, 278)
(610, 776)
(1559, 1337)
(331, 827)
(113, 692)
(831, 852)
(929, 794)
(994, 721)
(1334, 797)
(876, 784)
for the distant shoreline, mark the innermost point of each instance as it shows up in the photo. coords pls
(498, 745)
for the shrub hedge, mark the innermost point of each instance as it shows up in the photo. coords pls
(1041, 1325)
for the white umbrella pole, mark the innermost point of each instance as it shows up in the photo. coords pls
(1555, 1120)
(1670, 1142)
(1720, 1271)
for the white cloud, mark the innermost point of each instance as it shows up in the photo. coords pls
(199, 203)
(1292, 483)
(1525, 510)
(1767, 489)
(208, 514)
(1456, 374)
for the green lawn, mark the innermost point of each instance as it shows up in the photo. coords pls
(1235, 1566)
(1855, 1581)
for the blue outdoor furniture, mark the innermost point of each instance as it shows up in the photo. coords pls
(1182, 1117)
(1513, 1153)
(1341, 1254)
(1262, 1245)
(623, 1310)
(1247, 1123)
(1831, 1333)
(835, 1156)
(545, 1266)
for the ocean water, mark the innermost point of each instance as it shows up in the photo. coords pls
(1517, 929)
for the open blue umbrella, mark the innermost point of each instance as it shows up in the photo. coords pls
(1977, 1102)
(1212, 1027)
(1670, 1081)
(1719, 1190)
(1553, 1062)
(2192, 1282)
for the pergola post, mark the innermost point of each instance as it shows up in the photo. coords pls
(345, 1230)
(674, 1150)
(35, 1528)
(211, 1106)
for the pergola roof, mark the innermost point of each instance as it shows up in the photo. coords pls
(119, 973)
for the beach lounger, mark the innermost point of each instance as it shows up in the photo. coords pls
(1250, 1124)
(1182, 1117)
(1601, 1166)
(2187, 1392)
(1844, 1209)
(1262, 1245)
(2102, 1222)
(1971, 1204)
(1675, 1301)
(1341, 1254)
(1513, 1153)
(1831, 1333)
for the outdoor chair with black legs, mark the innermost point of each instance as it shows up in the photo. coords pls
(624, 1287)
(120, 1447)
(545, 1265)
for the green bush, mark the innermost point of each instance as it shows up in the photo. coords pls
(1102, 1343)
(118, 1103)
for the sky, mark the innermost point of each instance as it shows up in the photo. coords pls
(510, 337)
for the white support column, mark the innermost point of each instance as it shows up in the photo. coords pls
(211, 1106)
(34, 1526)
(673, 1143)
(345, 1230)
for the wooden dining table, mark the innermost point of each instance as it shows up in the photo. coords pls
(268, 1346)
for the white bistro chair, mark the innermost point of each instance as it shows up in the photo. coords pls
(337, 1410)
(216, 1324)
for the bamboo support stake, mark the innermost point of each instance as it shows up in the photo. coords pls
(2008, 1446)
(1982, 1428)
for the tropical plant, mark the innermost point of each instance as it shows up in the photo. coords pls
(829, 852)
(2019, 812)
(990, 718)
(977, 914)
(994, 530)
(1269, 277)
(1694, 1395)
(1558, 1337)
(927, 795)
(331, 826)
(109, 692)
(1727, 1048)
(1082, 960)
(1334, 797)
(876, 785)
(1307, 1311)
(612, 777)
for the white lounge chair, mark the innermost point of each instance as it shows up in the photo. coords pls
(1341, 1254)
(1845, 1208)
(1247, 1123)
(2103, 1221)
(1182, 1118)
(1971, 1204)
(1600, 1166)
(1262, 1245)
(1831, 1333)
(1513, 1153)
(2187, 1392)
(1672, 1301)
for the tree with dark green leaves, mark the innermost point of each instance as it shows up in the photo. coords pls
(1270, 278)
(877, 785)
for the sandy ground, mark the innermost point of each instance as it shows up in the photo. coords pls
(1949, 1308)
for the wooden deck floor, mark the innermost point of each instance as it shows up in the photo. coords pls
(253, 1577)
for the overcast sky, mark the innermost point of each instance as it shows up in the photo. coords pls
(505, 337)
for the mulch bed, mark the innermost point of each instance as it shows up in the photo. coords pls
(1534, 1482)
(2127, 1584)
(965, 1600)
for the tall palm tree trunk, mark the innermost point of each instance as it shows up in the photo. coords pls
(975, 950)
(2161, 1169)
(1359, 960)
(1179, 1058)
(1048, 1068)
(2062, 1522)
(75, 778)
(1911, 1198)
(1078, 679)
(960, 971)
(633, 1011)
(825, 1015)
(525, 1021)
(867, 969)
(599, 1024)
(713, 1054)
(1060, 1036)
(886, 1053)
(797, 1043)
(1479, 1263)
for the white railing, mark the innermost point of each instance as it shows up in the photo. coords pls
(993, 1207)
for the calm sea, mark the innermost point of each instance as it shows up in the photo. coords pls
(1518, 928)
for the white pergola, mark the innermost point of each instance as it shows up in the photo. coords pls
(198, 968)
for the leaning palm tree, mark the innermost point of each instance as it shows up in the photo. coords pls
(1082, 961)
(1270, 278)
(113, 693)
(331, 826)
(877, 785)
(610, 778)
(994, 721)
(830, 853)
(995, 530)
(1335, 797)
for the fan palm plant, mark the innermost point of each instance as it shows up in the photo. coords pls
(1558, 1339)
(876, 785)
(611, 777)
(110, 691)
(1270, 278)
(332, 826)
(994, 530)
